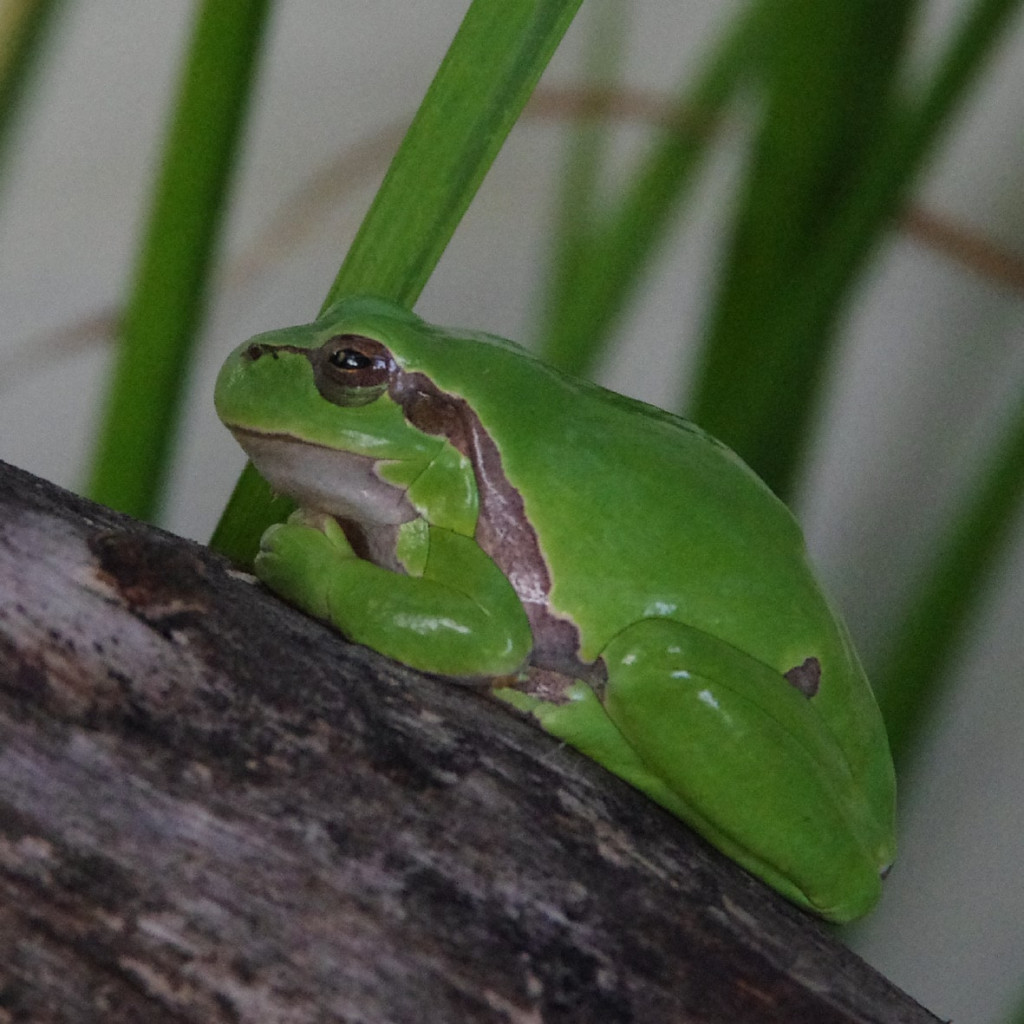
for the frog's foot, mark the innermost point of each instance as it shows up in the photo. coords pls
(458, 616)
(297, 559)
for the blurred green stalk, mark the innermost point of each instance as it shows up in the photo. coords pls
(909, 680)
(829, 72)
(23, 27)
(166, 301)
(598, 265)
(480, 89)
(796, 257)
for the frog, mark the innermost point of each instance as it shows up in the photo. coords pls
(599, 565)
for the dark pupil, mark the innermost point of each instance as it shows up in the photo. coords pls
(350, 359)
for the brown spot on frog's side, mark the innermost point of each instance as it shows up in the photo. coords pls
(806, 677)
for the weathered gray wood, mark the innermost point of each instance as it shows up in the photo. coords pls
(214, 809)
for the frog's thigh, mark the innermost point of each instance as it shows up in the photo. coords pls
(752, 764)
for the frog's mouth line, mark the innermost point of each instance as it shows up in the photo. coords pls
(283, 437)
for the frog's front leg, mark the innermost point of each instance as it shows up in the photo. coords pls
(456, 615)
(730, 746)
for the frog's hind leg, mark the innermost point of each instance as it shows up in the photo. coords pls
(747, 760)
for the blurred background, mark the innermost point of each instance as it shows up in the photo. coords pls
(931, 356)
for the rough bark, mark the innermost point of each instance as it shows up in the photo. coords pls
(214, 809)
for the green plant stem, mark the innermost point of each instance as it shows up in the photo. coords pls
(908, 682)
(479, 91)
(22, 33)
(763, 403)
(1018, 1014)
(829, 77)
(165, 304)
(589, 298)
(576, 205)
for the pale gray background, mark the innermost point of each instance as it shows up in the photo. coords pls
(931, 355)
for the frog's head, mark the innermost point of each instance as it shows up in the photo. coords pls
(319, 407)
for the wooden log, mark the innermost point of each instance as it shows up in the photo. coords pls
(212, 808)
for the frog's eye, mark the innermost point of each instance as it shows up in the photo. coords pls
(352, 370)
(349, 359)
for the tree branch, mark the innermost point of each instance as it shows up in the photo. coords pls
(214, 809)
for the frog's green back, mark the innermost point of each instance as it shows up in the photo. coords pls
(641, 514)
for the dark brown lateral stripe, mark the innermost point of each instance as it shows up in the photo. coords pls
(503, 529)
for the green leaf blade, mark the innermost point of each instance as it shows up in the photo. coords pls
(830, 69)
(165, 303)
(480, 89)
(588, 297)
(24, 26)
(909, 681)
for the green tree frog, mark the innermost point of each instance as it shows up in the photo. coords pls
(605, 567)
